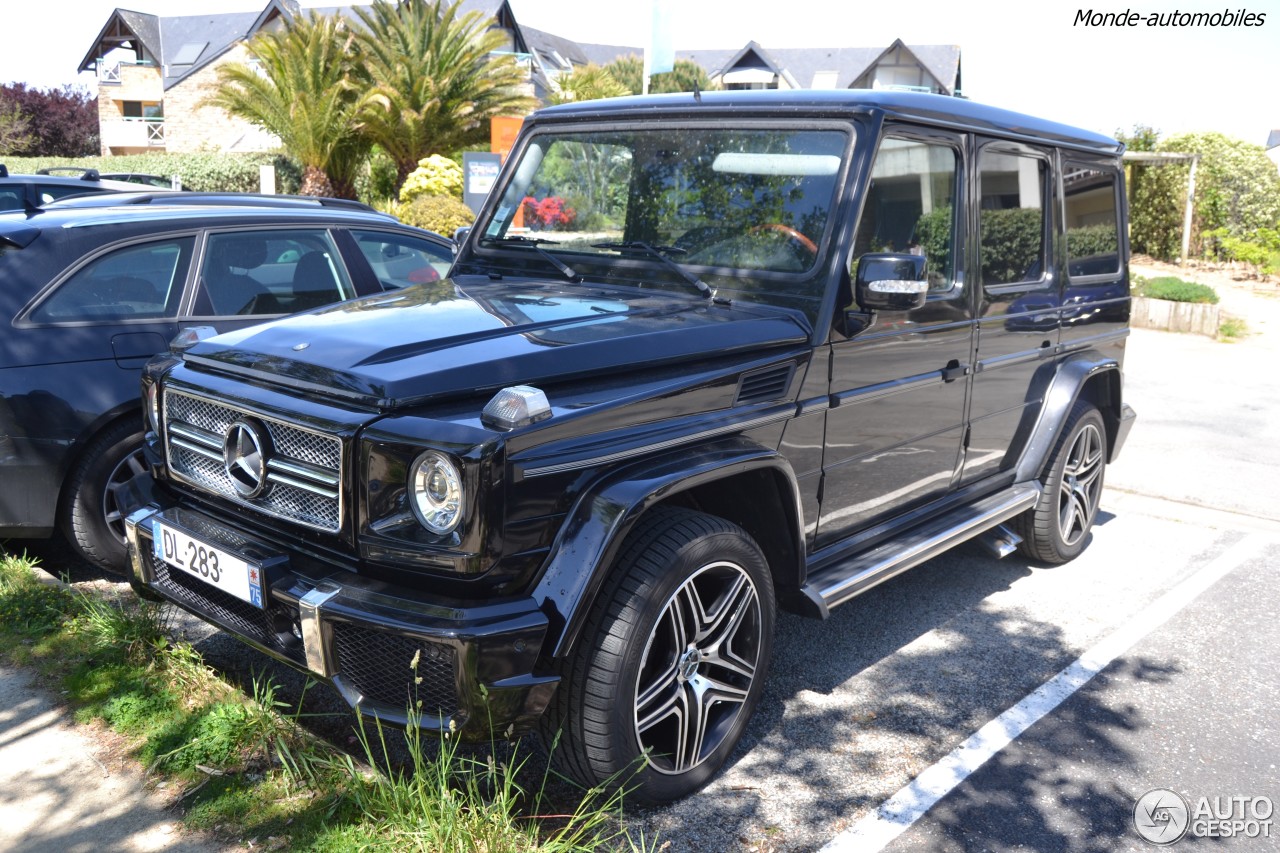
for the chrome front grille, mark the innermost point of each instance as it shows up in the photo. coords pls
(303, 468)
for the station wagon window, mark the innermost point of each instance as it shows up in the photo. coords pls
(910, 206)
(1011, 217)
(399, 260)
(270, 272)
(136, 282)
(1093, 234)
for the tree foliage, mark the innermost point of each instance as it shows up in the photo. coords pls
(58, 122)
(302, 91)
(588, 83)
(14, 130)
(433, 79)
(1237, 189)
(683, 77)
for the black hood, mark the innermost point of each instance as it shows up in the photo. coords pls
(444, 339)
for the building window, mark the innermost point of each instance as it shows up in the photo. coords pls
(141, 110)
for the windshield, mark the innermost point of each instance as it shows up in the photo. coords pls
(749, 208)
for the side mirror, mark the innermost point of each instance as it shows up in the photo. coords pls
(891, 282)
(460, 236)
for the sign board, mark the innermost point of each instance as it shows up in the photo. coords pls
(479, 172)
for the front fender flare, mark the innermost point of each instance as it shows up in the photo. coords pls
(601, 518)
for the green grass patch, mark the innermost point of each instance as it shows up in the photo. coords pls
(244, 767)
(1232, 329)
(29, 609)
(1175, 289)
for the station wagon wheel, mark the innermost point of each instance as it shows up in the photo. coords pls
(1057, 528)
(671, 664)
(95, 495)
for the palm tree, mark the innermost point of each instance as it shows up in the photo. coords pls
(685, 76)
(587, 83)
(434, 79)
(299, 88)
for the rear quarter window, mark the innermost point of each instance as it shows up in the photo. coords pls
(135, 282)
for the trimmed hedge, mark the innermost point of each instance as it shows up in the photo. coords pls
(201, 172)
(1174, 289)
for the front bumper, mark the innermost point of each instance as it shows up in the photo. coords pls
(474, 664)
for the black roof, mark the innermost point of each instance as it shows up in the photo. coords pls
(936, 109)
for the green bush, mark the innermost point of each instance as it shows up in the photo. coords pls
(1176, 290)
(1260, 249)
(435, 176)
(1237, 189)
(237, 173)
(441, 214)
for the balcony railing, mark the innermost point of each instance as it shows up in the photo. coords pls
(133, 133)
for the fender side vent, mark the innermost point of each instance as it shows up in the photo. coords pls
(770, 383)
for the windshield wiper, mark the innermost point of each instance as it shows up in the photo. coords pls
(536, 243)
(661, 253)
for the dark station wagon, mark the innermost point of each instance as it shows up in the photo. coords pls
(92, 287)
(701, 357)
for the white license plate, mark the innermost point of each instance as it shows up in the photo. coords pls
(211, 564)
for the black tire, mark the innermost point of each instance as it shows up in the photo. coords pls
(1057, 528)
(674, 558)
(93, 515)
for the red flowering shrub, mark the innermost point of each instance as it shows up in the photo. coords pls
(550, 212)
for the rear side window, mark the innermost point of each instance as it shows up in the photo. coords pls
(136, 282)
(270, 272)
(1093, 227)
(11, 198)
(1011, 216)
(399, 260)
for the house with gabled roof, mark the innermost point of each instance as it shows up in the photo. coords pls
(919, 68)
(155, 71)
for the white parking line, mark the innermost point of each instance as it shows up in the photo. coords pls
(899, 812)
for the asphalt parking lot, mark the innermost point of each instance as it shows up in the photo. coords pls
(858, 707)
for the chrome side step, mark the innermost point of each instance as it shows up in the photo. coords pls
(843, 581)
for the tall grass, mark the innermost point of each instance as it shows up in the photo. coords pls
(247, 765)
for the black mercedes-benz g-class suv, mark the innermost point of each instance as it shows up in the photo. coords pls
(699, 358)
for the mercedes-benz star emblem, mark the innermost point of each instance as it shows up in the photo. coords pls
(244, 455)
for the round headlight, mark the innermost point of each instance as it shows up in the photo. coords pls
(435, 489)
(153, 406)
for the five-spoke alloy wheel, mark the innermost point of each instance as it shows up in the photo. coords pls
(671, 663)
(1056, 529)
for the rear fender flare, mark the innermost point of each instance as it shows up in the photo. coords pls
(1073, 375)
(595, 528)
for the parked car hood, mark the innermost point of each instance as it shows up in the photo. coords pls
(453, 337)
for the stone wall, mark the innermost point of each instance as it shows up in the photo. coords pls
(1194, 317)
(189, 127)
